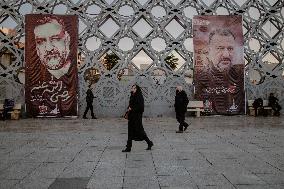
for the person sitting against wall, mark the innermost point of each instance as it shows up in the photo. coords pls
(258, 106)
(273, 103)
(8, 106)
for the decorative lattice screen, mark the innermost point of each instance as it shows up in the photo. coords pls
(140, 34)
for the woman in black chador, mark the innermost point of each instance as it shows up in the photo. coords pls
(135, 127)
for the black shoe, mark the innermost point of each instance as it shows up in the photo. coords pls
(185, 127)
(179, 131)
(85, 117)
(276, 114)
(150, 145)
(94, 117)
(126, 150)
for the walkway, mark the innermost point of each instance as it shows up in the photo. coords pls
(216, 152)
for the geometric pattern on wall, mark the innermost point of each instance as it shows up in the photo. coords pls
(141, 34)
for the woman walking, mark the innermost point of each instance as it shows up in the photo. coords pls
(135, 127)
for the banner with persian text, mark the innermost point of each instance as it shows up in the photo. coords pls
(219, 63)
(51, 65)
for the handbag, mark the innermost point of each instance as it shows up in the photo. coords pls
(126, 115)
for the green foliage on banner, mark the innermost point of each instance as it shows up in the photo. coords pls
(172, 61)
(110, 60)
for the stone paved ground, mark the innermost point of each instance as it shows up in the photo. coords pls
(216, 152)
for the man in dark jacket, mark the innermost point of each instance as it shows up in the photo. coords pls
(8, 106)
(89, 99)
(181, 102)
(258, 106)
(273, 103)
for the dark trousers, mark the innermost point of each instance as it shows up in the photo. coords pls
(258, 111)
(5, 112)
(276, 108)
(255, 111)
(180, 118)
(89, 106)
(129, 142)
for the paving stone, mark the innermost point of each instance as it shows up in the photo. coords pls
(18, 170)
(34, 182)
(40, 155)
(277, 186)
(63, 155)
(145, 171)
(196, 164)
(141, 182)
(216, 187)
(78, 169)
(243, 178)
(210, 180)
(171, 171)
(180, 187)
(105, 182)
(6, 163)
(253, 186)
(89, 154)
(21, 152)
(69, 183)
(6, 184)
(109, 169)
(272, 178)
(261, 168)
(177, 181)
(49, 170)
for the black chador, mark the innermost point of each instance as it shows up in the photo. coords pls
(135, 127)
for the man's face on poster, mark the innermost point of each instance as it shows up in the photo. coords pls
(52, 44)
(221, 51)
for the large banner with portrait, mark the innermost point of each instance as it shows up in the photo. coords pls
(51, 65)
(219, 63)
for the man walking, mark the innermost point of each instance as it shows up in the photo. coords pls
(89, 99)
(181, 102)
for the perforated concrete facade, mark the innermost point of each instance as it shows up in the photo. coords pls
(153, 30)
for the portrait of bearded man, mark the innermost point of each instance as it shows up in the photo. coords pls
(219, 71)
(51, 65)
